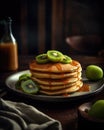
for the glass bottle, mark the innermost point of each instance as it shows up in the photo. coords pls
(8, 48)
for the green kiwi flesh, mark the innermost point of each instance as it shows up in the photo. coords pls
(29, 87)
(42, 58)
(54, 56)
(24, 77)
(66, 59)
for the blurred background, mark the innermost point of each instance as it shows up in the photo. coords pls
(40, 25)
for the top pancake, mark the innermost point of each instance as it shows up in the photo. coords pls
(55, 67)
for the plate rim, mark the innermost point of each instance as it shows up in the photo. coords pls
(47, 97)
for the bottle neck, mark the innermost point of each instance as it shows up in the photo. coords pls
(8, 36)
(8, 29)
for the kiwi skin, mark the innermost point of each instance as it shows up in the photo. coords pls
(94, 72)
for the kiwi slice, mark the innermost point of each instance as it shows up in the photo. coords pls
(54, 55)
(42, 58)
(24, 76)
(29, 87)
(66, 59)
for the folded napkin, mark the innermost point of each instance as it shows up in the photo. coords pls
(20, 116)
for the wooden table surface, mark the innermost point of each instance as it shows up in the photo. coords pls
(65, 112)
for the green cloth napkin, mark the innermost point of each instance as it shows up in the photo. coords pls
(20, 116)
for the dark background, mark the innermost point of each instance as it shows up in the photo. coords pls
(75, 17)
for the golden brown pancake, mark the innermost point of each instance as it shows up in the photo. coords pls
(56, 81)
(39, 74)
(62, 91)
(55, 67)
(58, 87)
(57, 78)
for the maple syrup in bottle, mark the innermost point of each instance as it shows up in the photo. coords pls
(8, 48)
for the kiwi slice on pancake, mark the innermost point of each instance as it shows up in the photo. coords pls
(54, 56)
(29, 87)
(66, 59)
(42, 58)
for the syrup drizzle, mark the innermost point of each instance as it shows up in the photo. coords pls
(84, 88)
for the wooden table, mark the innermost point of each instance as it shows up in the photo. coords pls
(65, 112)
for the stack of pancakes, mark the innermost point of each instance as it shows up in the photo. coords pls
(57, 78)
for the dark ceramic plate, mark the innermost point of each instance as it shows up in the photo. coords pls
(95, 87)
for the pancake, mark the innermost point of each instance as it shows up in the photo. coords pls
(58, 87)
(55, 67)
(57, 78)
(39, 74)
(56, 81)
(62, 91)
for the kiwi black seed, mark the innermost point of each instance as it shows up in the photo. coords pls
(54, 55)
(66, 59)
(42, 58)
(29, 87)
